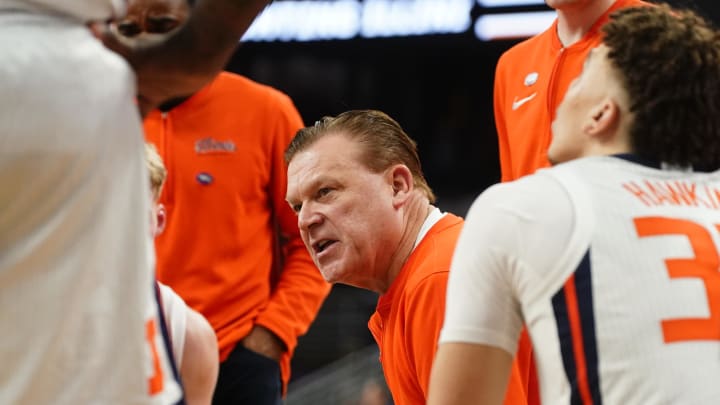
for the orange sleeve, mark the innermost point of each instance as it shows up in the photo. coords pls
(300, 289)
(499, 105)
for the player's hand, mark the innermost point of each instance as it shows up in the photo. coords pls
(182, 63)
(158, 67)
(261, 340)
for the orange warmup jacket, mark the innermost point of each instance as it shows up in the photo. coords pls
(406, 324)
(530, 82)
(223, 149)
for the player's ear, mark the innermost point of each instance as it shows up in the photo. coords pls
(603, 120)
(401, 180)
(161, 217)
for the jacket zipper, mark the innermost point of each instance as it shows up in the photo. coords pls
(552, 93)
(167, 153)
(553, 87)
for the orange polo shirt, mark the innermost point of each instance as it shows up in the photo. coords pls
(225, 189)
(407, 322)
(531, 79)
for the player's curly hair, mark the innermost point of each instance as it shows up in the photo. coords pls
(670, 62)
(384, 142)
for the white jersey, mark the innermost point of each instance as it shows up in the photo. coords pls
(175, 311)
(83, 10)
(614, 268)
(78, 318)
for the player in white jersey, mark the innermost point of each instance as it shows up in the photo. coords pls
(192, 339)
(194, 347)
(79, 321)
(611, 260)
(78, 325)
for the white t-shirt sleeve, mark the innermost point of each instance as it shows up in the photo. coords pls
(175, 312)
(512, 233)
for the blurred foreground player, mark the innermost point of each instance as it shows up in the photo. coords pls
(79, 319)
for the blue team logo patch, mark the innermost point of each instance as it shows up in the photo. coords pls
(204, 178)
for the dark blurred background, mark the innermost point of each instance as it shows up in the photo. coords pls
(437, 86)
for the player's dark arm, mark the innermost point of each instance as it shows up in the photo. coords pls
(184, 62)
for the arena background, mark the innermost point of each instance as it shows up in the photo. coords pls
(435, 78)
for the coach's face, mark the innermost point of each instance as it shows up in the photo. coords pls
(146, 17)
(588, 117)
(346, 213)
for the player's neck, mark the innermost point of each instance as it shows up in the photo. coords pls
(575, 21)
(619, 144)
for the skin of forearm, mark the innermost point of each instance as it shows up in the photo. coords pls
(181, 64)
(212, 34)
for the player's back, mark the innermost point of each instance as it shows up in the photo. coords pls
(637, 321)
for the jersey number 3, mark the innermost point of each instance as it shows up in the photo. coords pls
(705, 265)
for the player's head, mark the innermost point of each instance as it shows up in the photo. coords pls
(352, 180)
(158, 173)
(153, 17)
(652, 88)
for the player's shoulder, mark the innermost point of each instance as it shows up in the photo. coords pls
(593, 169)
(525, 192)
(170, 299)
(538, 203)
(535, 218)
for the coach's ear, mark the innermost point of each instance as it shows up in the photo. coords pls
(400, 179)
(603, 121)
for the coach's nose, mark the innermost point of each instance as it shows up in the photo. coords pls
(308, 217)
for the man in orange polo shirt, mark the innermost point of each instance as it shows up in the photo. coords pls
(365, 214)
(231, 247)
(532, 77)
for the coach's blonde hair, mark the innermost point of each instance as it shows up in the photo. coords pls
(384, 142)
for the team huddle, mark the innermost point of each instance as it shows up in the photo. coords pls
(596, 280)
